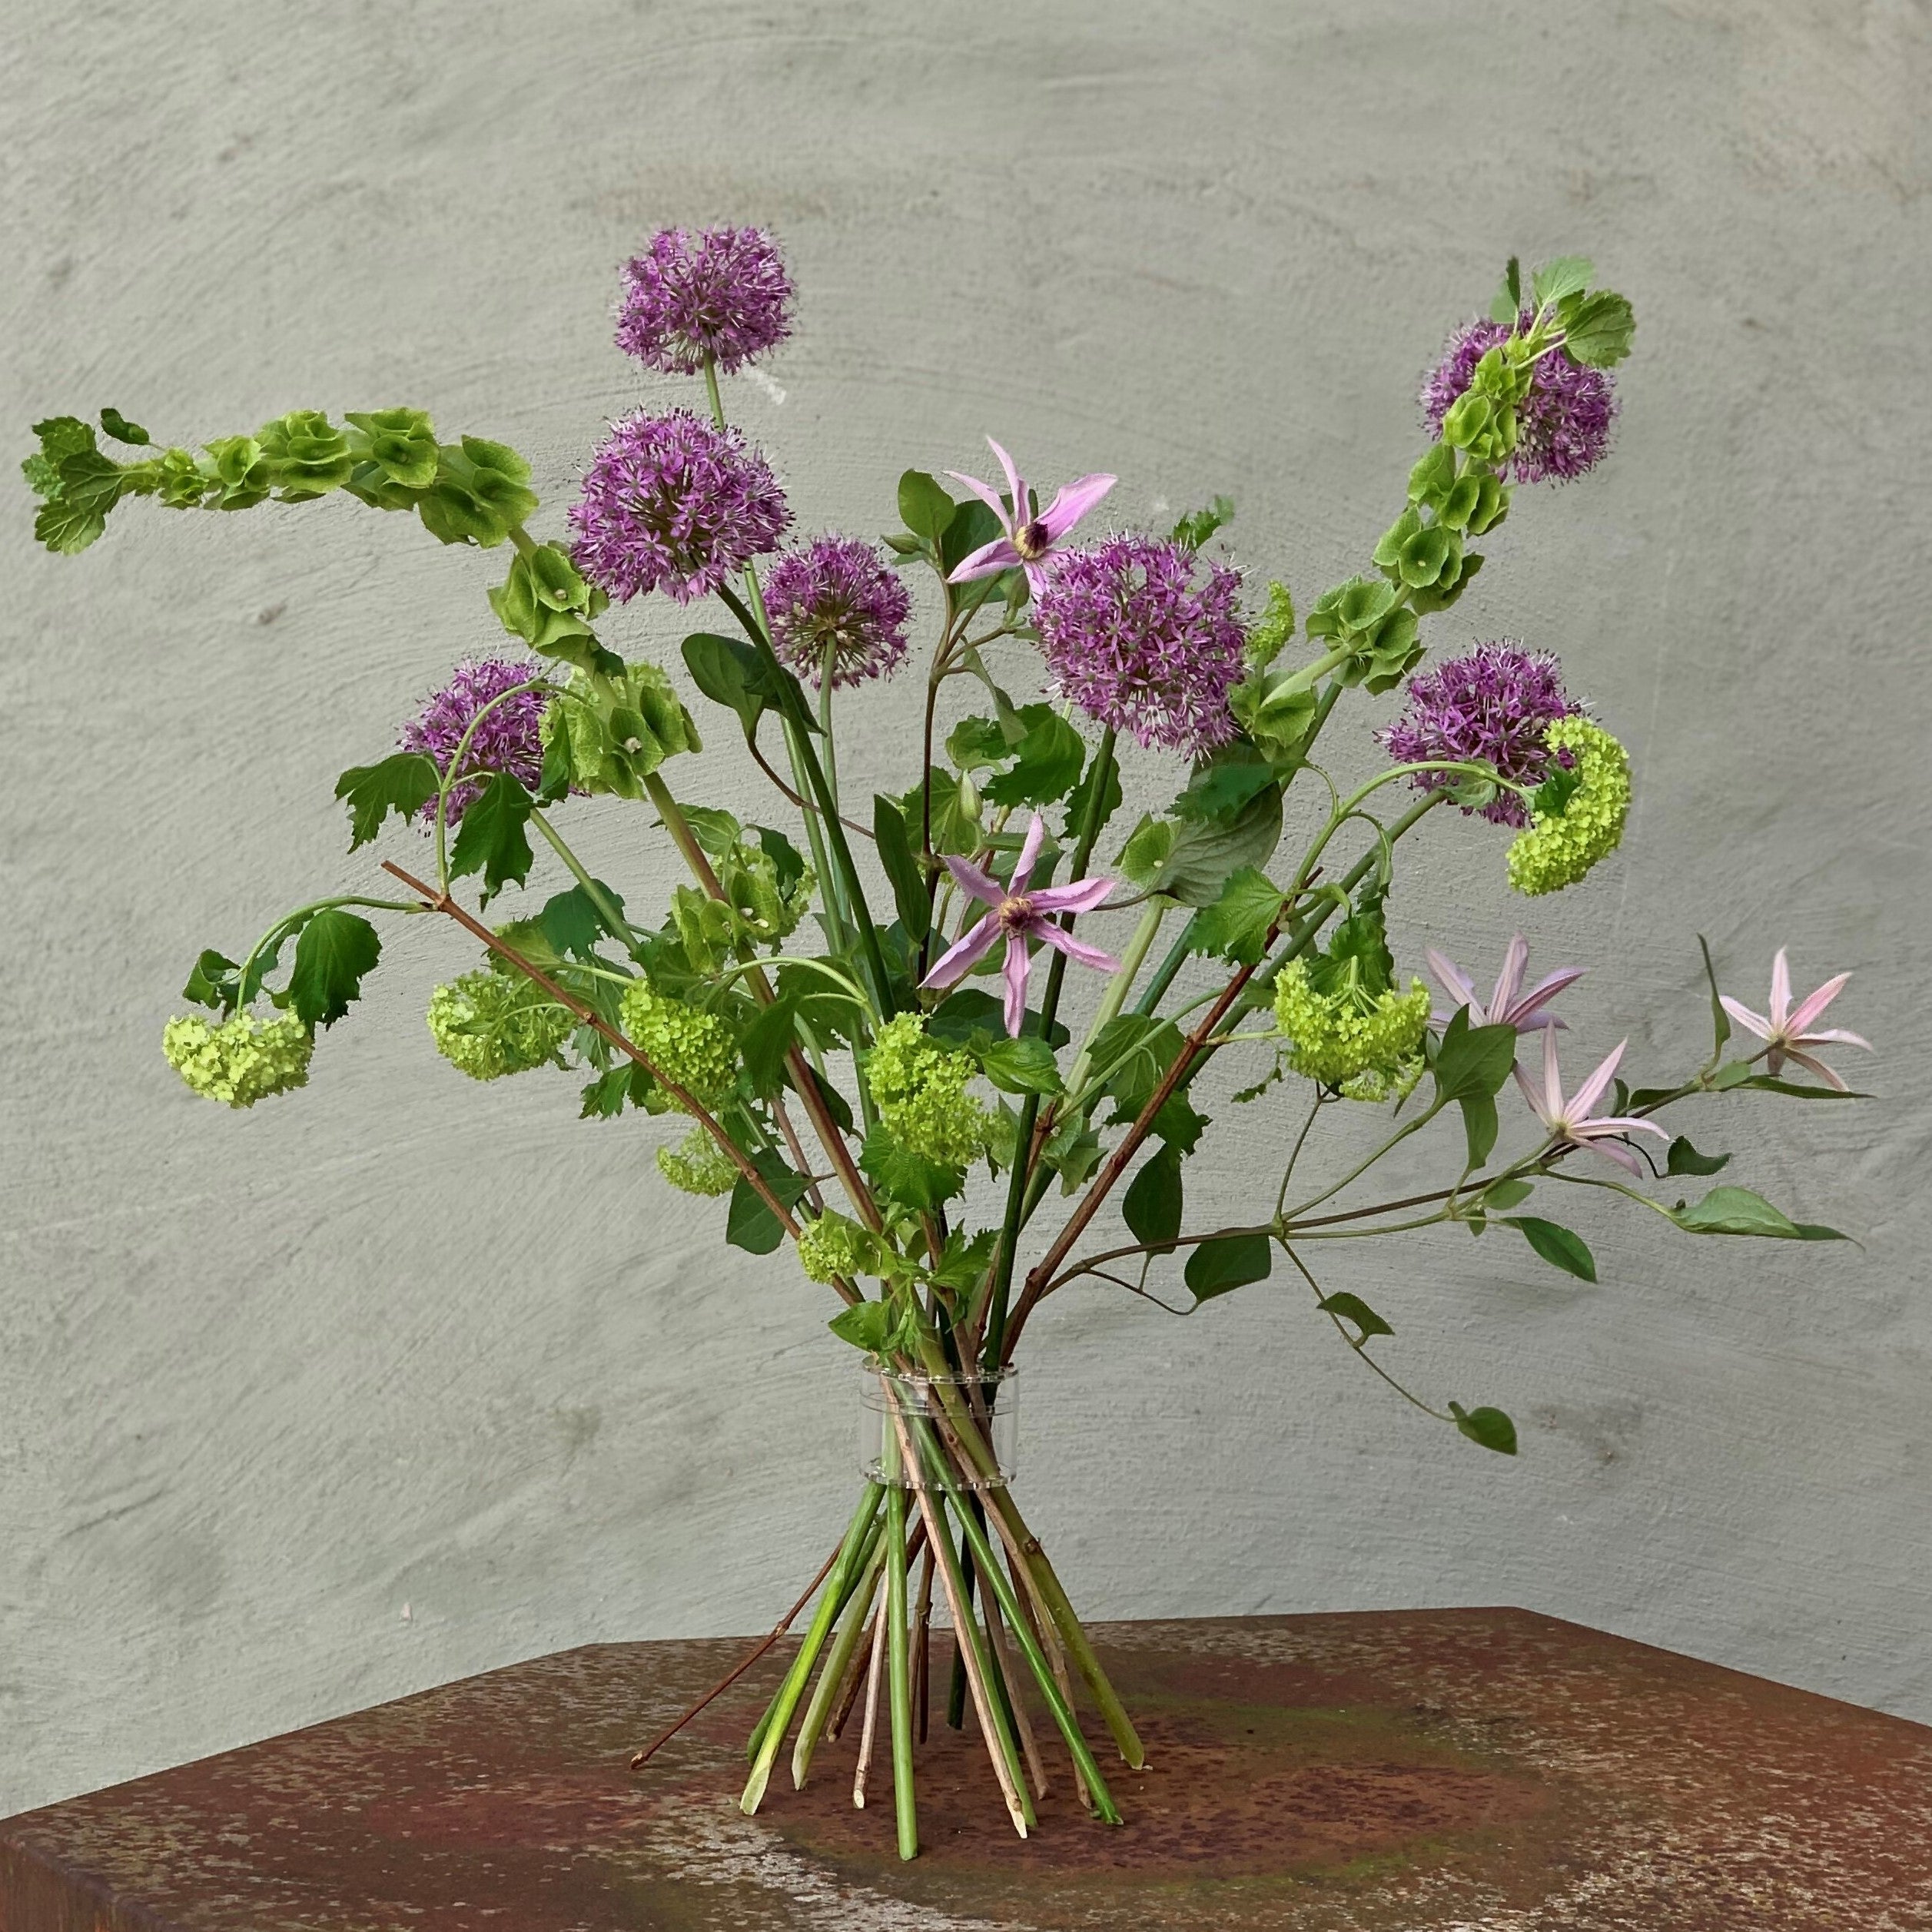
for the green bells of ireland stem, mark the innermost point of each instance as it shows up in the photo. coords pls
(242, 1060)
(1577, 815)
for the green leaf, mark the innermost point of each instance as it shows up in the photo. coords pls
(1077, 799)
(1684, 1159)
(1567, 275)
(1219, 1267)
(1220, 788)
(1489, 1427)
(335, 950)
(604, 1098)
(924, 505)
(398, 448)
(1480, 1126)
(1769, 1083)
(1047, 763)
(212, 981)
(765, 1043)
(403, 784)
(1473, 1060)
(908, 880)
(1719, 1019)
(494, 838)
(1733, 1072)
(1152, 1205)
(966, 1258)
(969, 1010)
(1236, 925)
(1507, 1193)
(867, 1325)
(749, 1224)
(908, 1179)
(1737, 1210)
(1352, 1308)
(117, 426)
(1023, 1066)
(977, 744)
(1508, 304)
(1130, 1056)
(1557, 1246)
(973, 525)
(1147, 851)
(66, 529)
(1204, 854)
(1198, 525)
(1597, 328)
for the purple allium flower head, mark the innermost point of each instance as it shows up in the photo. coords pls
(838, 596)
(1563, 425)
(723, 293)
(671, 503)
(1493, 704)
(1136, 643)
(506, 740)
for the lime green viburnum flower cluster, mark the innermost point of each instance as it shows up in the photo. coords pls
(1578, 817)
(833, 1247)
(1368, 1044)
(697, 1165)
(919, 1088)
(242, 1060)
(691, 1047)
(487, 1023)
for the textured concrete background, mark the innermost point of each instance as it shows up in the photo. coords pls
(265, 1379)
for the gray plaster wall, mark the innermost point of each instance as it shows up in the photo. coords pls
(402, 1377)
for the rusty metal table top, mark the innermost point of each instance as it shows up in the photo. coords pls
(1449, 1771)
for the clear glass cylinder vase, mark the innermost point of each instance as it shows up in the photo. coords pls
(990, 1401)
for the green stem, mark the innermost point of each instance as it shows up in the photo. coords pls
(1361, 1167)
(1001, 1294)
(898, 1665)
(619, 927)
(1116, 988)
(301, 916)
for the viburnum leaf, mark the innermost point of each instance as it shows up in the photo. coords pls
(334, 952)
(402, 784)
(492, 838)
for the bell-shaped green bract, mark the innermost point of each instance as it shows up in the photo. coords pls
(307, 455)
(242, 474)
(489, 1024)
(1352, 1037)
(480, 494)
(619, 729)
(690, 1047)
(395, 452)
(546, 602)
(1577, 817)
(697, 1165)
(832, 1248)
(1367, 614)
(242, 1060)
(919, 1087)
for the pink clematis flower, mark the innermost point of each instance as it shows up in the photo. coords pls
(1789, 1028)
(1510, 1006)
(1028, 541)
(1570, 1121)
(1023, 916)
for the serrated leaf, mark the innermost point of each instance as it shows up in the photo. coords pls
(1489, 1427)
(1222, 786)
(1557, 1245)
(904, 1177)
(403, 783)
(211, 982)
(1047, 763)
(1598, 328)
(1023, 1066)
(66, 529)
(1684, 1159)
(867, 1325)
(1567, 275)
(1219, 1267)
(764, 1044)
(1152, 1206)
(1354, 1308)
(924, 506)
(1237, 926)
(1130, 1056)
(1203, 854)
(493, 837)
(1193, 529)
(333, 953)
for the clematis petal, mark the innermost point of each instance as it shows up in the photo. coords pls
(1514, 958)
(1017, 966)
(1834, 1037)
(964, 954)
(1614, 1151)
(969, 878)
(1619, 1123)
(988, 561)
(1450, 976)
(1834, 1080)
(1029, 854)
(1551, 1108)
(1808, 1008)
(1063, 940)
(1082, 896)
(1014, 485)
(1526, 1012)
(1071, 502)
(1532, 1093)
(1780, 999)
(1751, 1022)
(1583, 1101)
(988, 496)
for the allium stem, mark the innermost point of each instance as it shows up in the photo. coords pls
(899, 1671)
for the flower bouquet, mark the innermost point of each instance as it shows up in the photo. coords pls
(861, 1015)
